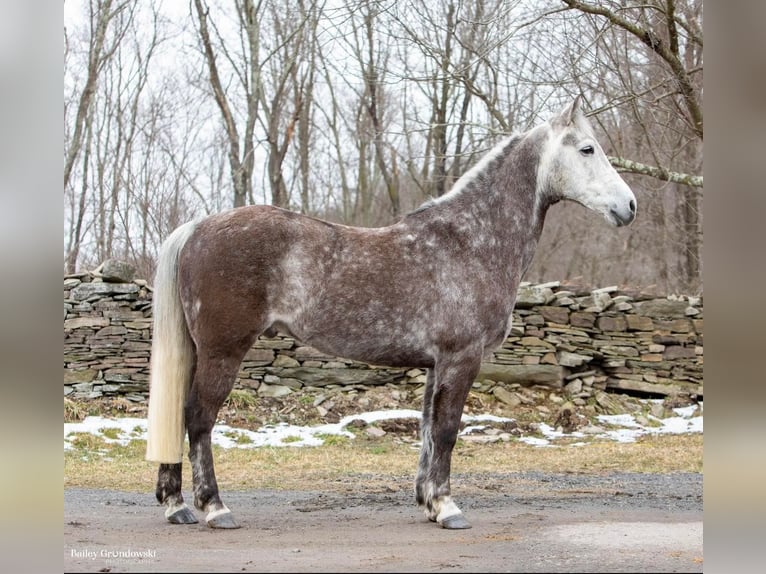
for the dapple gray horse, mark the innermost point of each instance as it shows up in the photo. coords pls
(435, 290)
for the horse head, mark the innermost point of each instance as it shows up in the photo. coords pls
(574, 166)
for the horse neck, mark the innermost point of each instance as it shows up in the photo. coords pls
(496, 204)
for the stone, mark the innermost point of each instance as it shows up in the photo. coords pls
(526, 375)
(323, 377)
(661, 308)
(305, 352)
(293, 384)
(109, 388)
(284, 361)
(558, 315)
(111, 330)
(334, 365)
(572, 359)
(674, 352)
(601, 299)
(609, 404)
(534, 320)
(673, 326)
(616, 323)
(610, 289)
(535, 342)
(79, 376)
(86, 290)
(139, 324)
(666, 387)
(276, 343)
(119, 375)
(116, 271)
(266, 390)
(563, 293)
(79, 322)
(573, 387)
(549, 359)
(621, 299)
(505, 396)
(639, 323)
(582, 319)
(83, 387)
(619, 350)
(528, 296)
(257, 356)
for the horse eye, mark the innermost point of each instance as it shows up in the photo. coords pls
(587, 150)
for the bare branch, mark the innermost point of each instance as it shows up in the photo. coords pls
(626, 165)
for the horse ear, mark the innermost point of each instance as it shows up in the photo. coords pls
(575, 109)
(568, 115)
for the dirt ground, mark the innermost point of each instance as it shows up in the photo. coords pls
(522, 522)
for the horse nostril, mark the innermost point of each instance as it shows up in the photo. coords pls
(632, 206)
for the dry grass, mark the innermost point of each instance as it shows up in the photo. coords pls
(97, 464)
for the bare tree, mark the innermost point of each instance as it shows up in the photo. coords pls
(100, 17)
(371, 54)
(652, 55)
(286, 90)
(457, 68)
(246, 70)
(118, 201)
(359, 110)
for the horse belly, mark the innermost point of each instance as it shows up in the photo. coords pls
(365, 342)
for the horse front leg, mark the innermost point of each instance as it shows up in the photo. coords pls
(447, 388)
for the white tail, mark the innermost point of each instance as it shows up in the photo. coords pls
(172, 356)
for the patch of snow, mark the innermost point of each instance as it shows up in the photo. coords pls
(626, 429)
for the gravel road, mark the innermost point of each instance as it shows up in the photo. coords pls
(522, 522)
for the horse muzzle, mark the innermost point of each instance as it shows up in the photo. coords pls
(623, 215)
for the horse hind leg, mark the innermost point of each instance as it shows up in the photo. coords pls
(169, 494)
(212, 383)
(446, 391)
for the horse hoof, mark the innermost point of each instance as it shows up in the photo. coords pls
(181, 515)
(455, 522)
(223, 520)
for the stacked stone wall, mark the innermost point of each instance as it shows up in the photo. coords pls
(563, 336)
